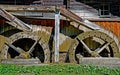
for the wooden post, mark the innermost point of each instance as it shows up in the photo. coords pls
(57, 30)
(68, 4)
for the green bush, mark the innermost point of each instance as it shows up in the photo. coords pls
(67, 69)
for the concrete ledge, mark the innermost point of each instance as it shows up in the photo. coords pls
(20, 61)
(107, 62)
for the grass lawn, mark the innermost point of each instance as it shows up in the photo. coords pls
(67, 69)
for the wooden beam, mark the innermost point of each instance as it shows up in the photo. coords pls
(12, 20)
(51, 9)
(78, 19)
(57, 30)
(27, 8)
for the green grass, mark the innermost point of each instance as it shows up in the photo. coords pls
(57, 70)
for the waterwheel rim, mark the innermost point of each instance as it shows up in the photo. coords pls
(23, 36)
(81, 49)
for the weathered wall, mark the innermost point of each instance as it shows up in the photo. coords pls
(112, 26)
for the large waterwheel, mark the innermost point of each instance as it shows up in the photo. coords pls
(93, 44)
(27, 45)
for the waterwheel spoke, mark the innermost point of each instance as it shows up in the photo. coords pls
(17, 49)
(86, 47)
(33, 46)
(102, 47)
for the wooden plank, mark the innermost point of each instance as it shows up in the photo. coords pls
(70, 15)
(27, 8)
(12, 20)
(63, 11)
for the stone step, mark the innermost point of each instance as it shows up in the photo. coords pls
(20, 61)
(107, 62)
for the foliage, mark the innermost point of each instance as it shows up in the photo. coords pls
(60, 69)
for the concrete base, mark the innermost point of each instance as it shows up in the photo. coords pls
(20, 61)
(107, 62)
